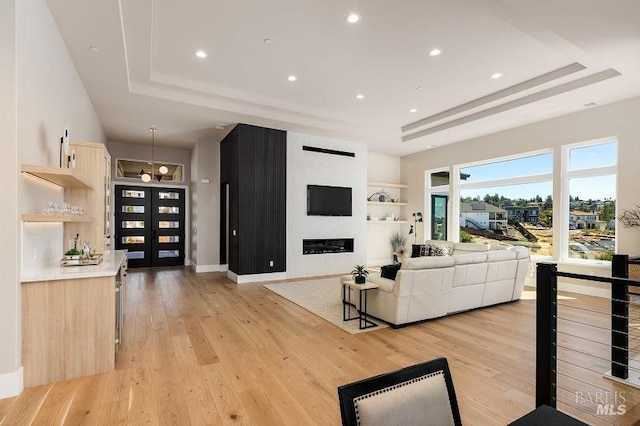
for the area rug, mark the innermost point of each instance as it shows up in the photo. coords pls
(322, 297)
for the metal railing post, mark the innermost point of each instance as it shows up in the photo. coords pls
(546, 329)
(620, 318)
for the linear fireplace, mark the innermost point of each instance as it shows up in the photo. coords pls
(324, 246)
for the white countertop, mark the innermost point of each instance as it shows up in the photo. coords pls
(112, 260)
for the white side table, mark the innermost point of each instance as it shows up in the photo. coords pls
(347, 305)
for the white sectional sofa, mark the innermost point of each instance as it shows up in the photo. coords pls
(472, 276)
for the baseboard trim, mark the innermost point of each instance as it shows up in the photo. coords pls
(206, 268)
(256, 278)
(11, 384)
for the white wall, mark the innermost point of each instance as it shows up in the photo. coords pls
(619, 120)
(307, 168)
(384, 168)
(205, 206)
(10, 372)
(49, 97)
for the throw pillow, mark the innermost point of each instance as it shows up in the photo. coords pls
(417, 250)
(434, 250)
(390, 271)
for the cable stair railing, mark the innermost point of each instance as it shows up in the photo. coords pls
(588, 348)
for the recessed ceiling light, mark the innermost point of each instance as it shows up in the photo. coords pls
(419, 88)
(267, 41)
(292, 78)
(359, 96)
(352, 18)
(435, 52)
(496, 75)
(94, 49)
(413, 110)
(201, 54)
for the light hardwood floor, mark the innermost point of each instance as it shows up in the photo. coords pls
(199, 349)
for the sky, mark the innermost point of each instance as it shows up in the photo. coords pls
(596, 188)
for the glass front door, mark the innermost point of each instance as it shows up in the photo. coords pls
(150, 225)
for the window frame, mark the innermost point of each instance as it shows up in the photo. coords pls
(560, 176)
(562, 217)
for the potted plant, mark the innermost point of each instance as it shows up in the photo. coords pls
(359, 274)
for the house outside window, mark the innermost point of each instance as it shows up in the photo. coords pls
(528, 214)
(482, 216)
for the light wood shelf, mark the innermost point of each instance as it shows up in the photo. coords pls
(388, 185)
(39, 217)
(65, 178)
(379, 203)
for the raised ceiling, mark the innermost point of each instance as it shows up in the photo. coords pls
(554, 58)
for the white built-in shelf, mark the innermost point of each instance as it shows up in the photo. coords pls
(379, 203)
(65, 178)
(38, 217)
(388, 185)
(388, 222)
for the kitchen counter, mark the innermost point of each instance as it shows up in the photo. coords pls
(111, 262)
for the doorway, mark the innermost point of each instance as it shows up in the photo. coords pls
(150, 225)
(439, 217)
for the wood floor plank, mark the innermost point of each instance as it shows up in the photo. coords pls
(199, 349)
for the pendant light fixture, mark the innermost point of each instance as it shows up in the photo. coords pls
(146, 177)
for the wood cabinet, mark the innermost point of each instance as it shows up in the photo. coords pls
(70, 326)
(88, 185)
(64, 178)
(94, 164)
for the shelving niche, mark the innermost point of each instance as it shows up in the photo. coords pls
(377, 206)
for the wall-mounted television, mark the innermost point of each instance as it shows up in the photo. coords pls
(328, 200)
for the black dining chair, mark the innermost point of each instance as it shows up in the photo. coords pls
(421, 394)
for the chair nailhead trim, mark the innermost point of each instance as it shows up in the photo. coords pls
(390, 388)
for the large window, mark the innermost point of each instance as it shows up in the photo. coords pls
(591, 207)
(511, 201)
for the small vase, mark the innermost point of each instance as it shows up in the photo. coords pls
(360, 279)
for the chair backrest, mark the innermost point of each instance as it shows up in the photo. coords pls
(416, 395)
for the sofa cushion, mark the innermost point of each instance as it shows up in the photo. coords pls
(466, 247)
(384, 284)
(390, 271)
(470, 257)
(500, 255)
(521, 252)
(428, 262)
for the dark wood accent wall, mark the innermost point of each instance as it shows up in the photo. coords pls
(254, 164)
